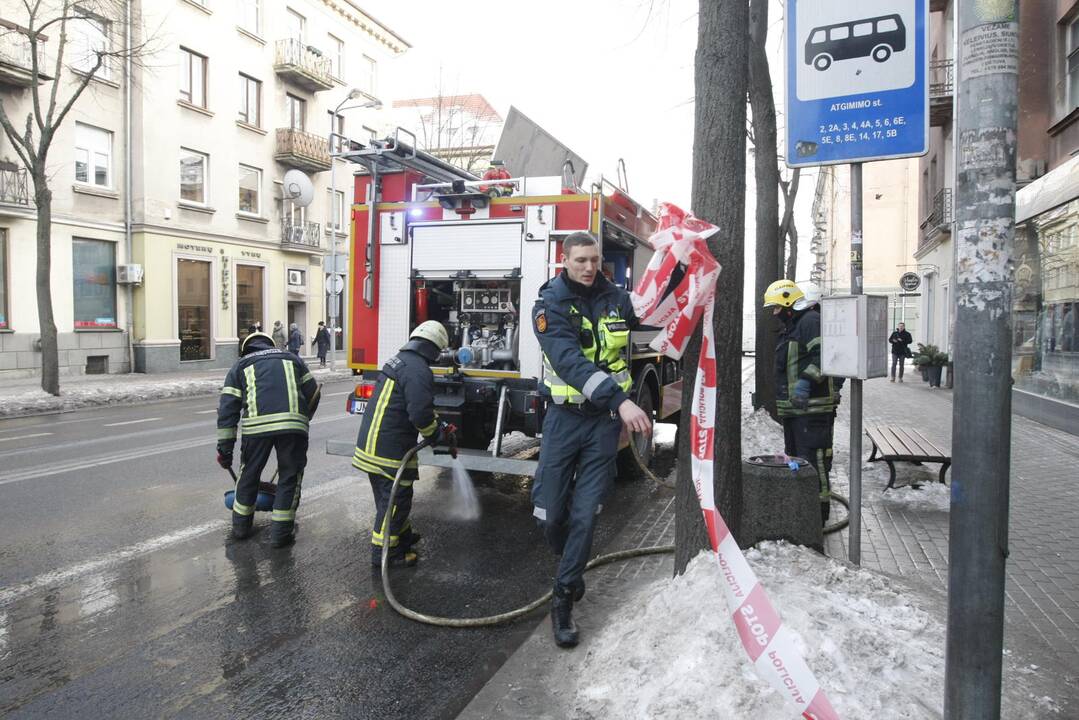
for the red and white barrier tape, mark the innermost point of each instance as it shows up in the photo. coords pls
(680, 241)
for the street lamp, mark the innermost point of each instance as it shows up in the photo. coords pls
(335, 152)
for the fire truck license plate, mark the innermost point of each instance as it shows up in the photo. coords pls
(359, 407)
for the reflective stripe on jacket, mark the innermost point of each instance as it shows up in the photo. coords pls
(269, 392)
(797, 358)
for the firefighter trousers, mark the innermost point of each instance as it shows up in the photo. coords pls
(255, 451)
(401, 535)
(810, 438)
(575, 474)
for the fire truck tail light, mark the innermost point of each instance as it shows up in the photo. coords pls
(365, 390)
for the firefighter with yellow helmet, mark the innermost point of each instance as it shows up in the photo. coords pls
(401, 408)
(806, 399)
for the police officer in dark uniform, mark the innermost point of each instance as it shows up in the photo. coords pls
(582, 321)
(806, 399)
(401, 408)
(271, 395)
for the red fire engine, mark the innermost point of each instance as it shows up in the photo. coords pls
(428, 244)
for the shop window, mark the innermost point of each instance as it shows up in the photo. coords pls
(249, 297)
(94, 276)
(193, 308)
(250, 190)
(4, 322)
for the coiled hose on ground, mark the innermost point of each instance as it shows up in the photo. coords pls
(539, 602)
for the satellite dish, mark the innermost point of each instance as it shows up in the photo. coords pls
(298, 188)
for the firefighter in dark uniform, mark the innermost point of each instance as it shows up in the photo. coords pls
(401, 408)
(806, 399)
(271, 395)
(582, 321)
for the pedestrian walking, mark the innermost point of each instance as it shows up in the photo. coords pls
(322, 342)
(900, 341)
(806, 399)
(279, 339)
(270, 396)
(582, 321)
(403, 404)
(295, 339)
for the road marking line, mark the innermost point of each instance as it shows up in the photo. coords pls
(24, 437)
(130, 422)
(206, 412)
(74, 572)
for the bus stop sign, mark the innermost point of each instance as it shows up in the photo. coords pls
(857, 81)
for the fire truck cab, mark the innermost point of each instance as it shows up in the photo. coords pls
(432, 242)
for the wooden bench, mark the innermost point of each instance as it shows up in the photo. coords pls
(895, 443)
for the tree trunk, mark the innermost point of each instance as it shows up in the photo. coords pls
(788, 231)
(50, 360)
(719, 163)
(792, 253)
(766, 173)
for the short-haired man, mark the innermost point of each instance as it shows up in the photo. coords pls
(582, 321)
(900, 341)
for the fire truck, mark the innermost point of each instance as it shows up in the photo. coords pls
(432, 242)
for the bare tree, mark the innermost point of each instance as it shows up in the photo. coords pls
(52, 98)
(788, 229)
(455, 127)
(719, 163)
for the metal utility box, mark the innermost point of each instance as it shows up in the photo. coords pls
(854, 336)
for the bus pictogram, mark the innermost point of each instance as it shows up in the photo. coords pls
(877, 37)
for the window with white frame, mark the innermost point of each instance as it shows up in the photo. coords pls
(250, 190)
(296, 110)
(337, 127)
(336, 200)
(93, 155)
(294, 24)
(250, 101)
(193, 77)
(1072, 63)
(5, 323)
(88, 38)
(336, 47)
(250, 12)
(194, 176)
(369, 82)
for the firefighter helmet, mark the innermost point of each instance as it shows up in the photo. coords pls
(434, 332)
(250, 342)
(783, 293)
(810, 297)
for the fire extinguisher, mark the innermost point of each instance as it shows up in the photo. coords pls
(421, 301)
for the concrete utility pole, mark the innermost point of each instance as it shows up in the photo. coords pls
(854, 533)
(986, 115)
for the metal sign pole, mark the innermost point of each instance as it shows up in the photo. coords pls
(854, 527)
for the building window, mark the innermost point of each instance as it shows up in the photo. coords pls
(370, 75)
(93, 155)
(250, 101)
(336, 199)
(249, 296)
(251, 15)
(193, 308)
(93, 264)
(192, 77)
(4, 322)
(194, 167)
(337, 127)
(88, 39)
(294, 24)
(1072, 46)
(337, 55)
(250, 190)
(296, 109)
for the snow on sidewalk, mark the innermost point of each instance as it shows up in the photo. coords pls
(876, 646)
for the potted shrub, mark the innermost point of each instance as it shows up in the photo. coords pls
(921, 360)
(931, 361)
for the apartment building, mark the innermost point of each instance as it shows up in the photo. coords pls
(229, 95)
(460, 129)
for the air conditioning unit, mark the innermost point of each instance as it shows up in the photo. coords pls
(295, 277)
(129, 274)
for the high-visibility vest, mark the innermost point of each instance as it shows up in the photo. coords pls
(606, 349)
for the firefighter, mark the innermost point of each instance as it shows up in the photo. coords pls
(401, 407)
(582, 321)
(496, 170)
(271, 395)
(806, 399)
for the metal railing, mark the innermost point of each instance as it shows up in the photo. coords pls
(941, 78)
(295, 53)
(305, 234)
(14, 187)
(15, 50)
(939, 218)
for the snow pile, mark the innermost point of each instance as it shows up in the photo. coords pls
(672, 652)
(761, 435)
(931, 497)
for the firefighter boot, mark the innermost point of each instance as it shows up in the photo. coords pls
(282, 533)
(242, 525)
(565, 630)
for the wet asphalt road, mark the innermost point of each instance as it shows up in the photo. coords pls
(122, 595)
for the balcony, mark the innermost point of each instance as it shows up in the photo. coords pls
(302, 150)
(941, 91)
(303, 65)
(16, 68)
(938, 224)
(300, 236)
(14, 187)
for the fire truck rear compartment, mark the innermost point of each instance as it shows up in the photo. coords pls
(481, 316)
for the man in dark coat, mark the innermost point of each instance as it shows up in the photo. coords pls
(322, 341)
(295, 339)
(900, 341)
